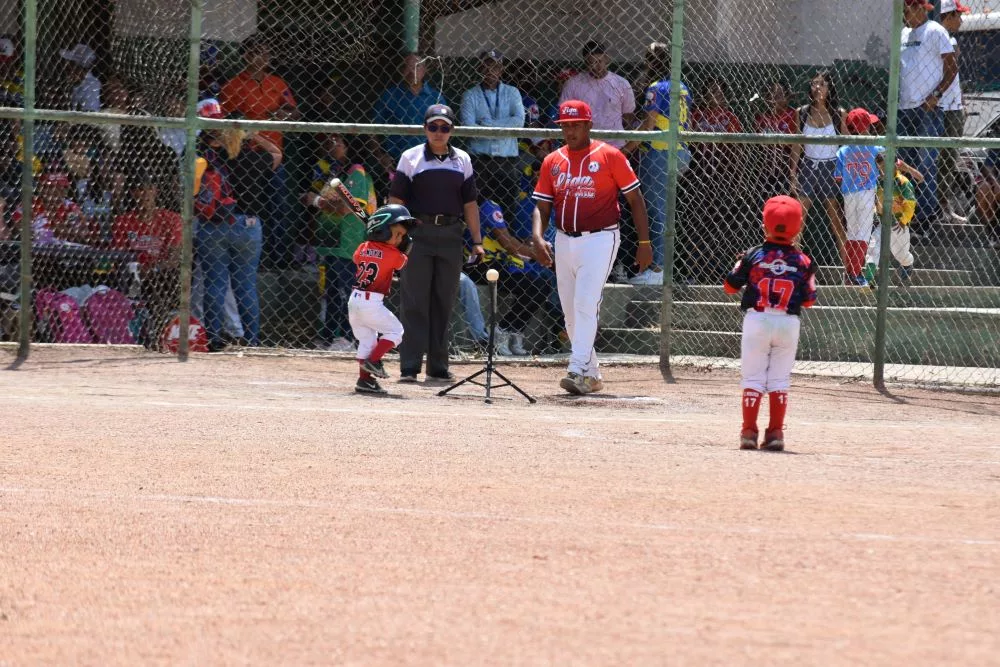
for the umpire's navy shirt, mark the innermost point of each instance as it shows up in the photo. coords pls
(432, 185)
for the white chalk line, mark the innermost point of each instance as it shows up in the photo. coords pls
(491, 516)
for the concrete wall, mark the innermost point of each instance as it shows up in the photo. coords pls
(227, 20)
(780, 32)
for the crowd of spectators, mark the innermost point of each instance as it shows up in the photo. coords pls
(92, 192)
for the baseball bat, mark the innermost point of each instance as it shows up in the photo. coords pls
(341, 191)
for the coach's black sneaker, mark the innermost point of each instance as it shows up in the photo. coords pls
(447, 376)
(375, 368)
(408, 378)
(369, 386)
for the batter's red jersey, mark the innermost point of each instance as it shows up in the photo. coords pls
(376, 264)
(583, 186)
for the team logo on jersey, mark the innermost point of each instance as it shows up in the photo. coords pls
(497, 216)
(564, 180)
(555, 171)
(593, 167)
(650, 95)
(779, 267)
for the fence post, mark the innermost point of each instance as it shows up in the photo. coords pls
(889, 182)
(26, 313)
(673, 158)
(187, 203)
(411, 25)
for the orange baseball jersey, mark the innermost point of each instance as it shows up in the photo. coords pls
(584, 185)
(376, 264)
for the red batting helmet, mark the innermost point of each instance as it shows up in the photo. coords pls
(782, 219)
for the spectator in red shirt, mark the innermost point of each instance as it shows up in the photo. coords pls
(775, 160)
(153, 233)
(259, 94)
(55, 218)
(717, 178)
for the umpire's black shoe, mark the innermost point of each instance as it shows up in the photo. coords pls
(369, 386)
(376, 368)
(447, 376)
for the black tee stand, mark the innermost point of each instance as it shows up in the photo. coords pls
(490, 368)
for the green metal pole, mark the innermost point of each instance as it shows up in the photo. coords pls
(411, 25)
(187, 202)
(27, 177)
(673, 158)
(891, 133)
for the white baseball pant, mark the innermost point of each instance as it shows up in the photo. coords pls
(899, 244)
(369, 317)
(583, 264)
(859, 214)
(767, 350)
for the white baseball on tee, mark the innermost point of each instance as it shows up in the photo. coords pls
(921, 62)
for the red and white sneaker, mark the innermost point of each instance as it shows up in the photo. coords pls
(774, 441)
(748, 439)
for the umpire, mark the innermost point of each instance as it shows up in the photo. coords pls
(436, 183)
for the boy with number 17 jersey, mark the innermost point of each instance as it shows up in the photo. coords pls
(780, 281)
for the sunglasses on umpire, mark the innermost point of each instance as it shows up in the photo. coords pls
(443, 128)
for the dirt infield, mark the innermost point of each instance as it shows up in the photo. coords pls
(249, 510)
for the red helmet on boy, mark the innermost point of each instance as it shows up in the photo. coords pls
(782, 219)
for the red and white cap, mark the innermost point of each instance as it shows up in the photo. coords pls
(574, 111)
(58, 178)
(210, 108)
(859, 120)
(929, 6)
(949, 6)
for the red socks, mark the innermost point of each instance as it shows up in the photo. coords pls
(751, 407)
(362, 373)
(380, 350)
(779, 403)
(855, 251)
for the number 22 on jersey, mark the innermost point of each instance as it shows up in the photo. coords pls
(780, 288)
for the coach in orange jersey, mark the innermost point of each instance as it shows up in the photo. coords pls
(581, 182)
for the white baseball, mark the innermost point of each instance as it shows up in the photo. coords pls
(493, 275)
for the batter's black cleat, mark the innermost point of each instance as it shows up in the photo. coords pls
(369, 386)
(376, 368)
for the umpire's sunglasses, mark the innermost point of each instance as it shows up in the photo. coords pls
(443, 128)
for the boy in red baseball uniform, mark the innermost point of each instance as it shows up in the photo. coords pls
(780, 281)
(377, 260)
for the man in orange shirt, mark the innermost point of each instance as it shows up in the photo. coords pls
(580, 182)
(258, 94)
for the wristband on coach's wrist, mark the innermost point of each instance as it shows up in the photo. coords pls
(477, 243)
(645, 243)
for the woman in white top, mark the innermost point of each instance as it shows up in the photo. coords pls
(812, 165)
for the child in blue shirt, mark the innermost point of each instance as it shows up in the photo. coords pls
(857, 173)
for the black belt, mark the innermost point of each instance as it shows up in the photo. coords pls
(439, 220)
(592, 231)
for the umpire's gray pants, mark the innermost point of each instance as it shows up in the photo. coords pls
(428, 286)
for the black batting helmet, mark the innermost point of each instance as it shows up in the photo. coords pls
(380, 222)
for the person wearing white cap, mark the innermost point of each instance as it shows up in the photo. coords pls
(954, 114)
(927, 68)
(86, 93)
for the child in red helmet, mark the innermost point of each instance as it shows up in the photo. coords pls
(780, 281)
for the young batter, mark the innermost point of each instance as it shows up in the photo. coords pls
(377, 259)
(780, 281)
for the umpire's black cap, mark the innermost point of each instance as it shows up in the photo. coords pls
(440, 112)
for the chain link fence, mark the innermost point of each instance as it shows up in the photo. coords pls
(762, 110)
